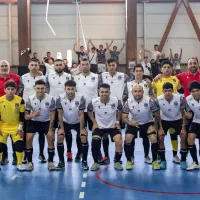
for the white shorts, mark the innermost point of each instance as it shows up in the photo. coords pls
(101, 68)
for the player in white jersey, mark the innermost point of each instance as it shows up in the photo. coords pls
(141, 109)
(107, 111)
(56, 84)
(172, 110)
(138, 73)
(40, 111)
(71, 108)
(117, 82)
(27, 84)
(193, 105)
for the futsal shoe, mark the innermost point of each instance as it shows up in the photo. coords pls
(148, 160)
(85, 166)
(176, 159)
(95, 167)
(4, 161)
(129, 165)
(104, 161)
(51, 166)
(29, 167)
(69, 157)
(60, 166)
(42, 159)
(118, 166)
(132, 160)
(193, 166)
(155, 165)
(21, 168)
(163, 165)
(78, 158)
(183, 165)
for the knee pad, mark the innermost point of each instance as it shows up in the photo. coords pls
(2, 147)
(19, 146)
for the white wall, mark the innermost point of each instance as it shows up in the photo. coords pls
(101, 23)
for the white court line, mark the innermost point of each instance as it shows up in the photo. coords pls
(81, 195)
(15, 176)
(83, 184)
(85, 175)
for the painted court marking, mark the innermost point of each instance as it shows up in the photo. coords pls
(98, 176)
(81, 195)
(83, 185)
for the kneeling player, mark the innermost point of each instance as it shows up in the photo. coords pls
(12, 109)
(172, 116)
(40, 111)
(71, 108)
(107, 111)
(140, 108)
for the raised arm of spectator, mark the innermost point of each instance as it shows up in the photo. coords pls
(146, 50)
(180, 56)
(171, 55)
(92, 44)
(122, 48)
(141, 56)
(109, 45)
(74, 48)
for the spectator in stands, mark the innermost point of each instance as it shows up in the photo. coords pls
(176, 60)
(80, 53)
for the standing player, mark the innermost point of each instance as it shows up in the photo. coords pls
(172, 116)
(12, 119)
(86, 86)
(140, 108)
(5, 76)
(27, 84)
(40, 113)
(107, 111)
(71, 108)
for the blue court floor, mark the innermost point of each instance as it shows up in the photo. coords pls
(73, 183)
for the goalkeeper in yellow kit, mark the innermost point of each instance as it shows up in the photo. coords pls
(12, 108)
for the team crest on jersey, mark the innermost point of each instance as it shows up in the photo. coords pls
(70, 109)
(59, 83)
(16, 105)
(174, 80)
(176, 103)
(76, 103)
(169, 110)
(67, 78)
(113, 105)
(93, 79)
(47, 104)
(53, 77)
(119, 77)
(145, 85)
(145, 105)
(192, 104)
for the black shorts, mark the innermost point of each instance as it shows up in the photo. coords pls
(69, 127)
(88, 122)
(111, 131)
(176, 125)
(195, 128)
(35, 126)
(93, 68)
(142, 128)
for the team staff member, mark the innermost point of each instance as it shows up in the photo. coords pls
(12, 119)
(166, 69)
(40, 113)
(107, 111)
(5, 76)
(140, 108)
(71, 108)
(172, 116)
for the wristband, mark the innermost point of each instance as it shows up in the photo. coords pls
(20, 127)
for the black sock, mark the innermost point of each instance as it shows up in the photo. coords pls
(60, 149)
(106, 146)
(51, 153)
(13, 148)
(162, 154)
(29, 154)
(154, 150)
(69, 141)
(79, 144)
(133, 146)
(183, 154)
(41, 140)
(146, 145)
(118, 156)
(5, 152)
(128, 149)
(96, 145)
(174, 153)
(193, 152)
(84, 150)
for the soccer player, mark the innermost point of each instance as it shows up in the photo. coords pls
(40, 111)
(193, 105)
(141, 108)
(166, 69)
(86, 86)
(107, 111)
(12, 118)
(117, 82)
(71, 108)
(27, 84)
(5, 76)
(172, 116)
(139, 72)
